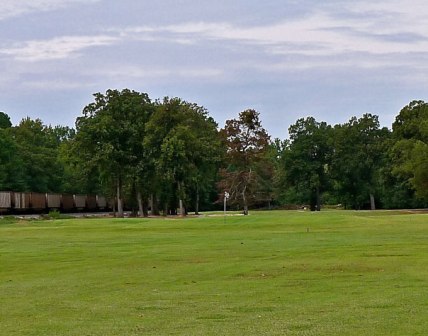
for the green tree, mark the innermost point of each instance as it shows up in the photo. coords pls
(359, 154)
(183, 144)
(8, 153)
(37, 148)
(410, 150)
(247, 144)
(108, 135)
(12, 174)
(305, 161)
(4, 121)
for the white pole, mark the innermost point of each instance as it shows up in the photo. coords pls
(226, 196)
(225, 200)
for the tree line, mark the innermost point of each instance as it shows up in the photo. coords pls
(169, 156)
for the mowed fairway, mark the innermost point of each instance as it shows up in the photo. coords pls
(271, 273)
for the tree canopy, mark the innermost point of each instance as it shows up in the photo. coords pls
(169, 155)
(246, 144)
(410, 149)
(305, 160)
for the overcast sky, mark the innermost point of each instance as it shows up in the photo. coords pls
(285, 58)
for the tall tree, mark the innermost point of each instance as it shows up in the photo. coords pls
(107, 134)
(305, 160)
(184, 146)
(247, 144)
(12, 173)
(38, 148)
(410, 150)
(358, 156)
(4, 121)
(7, 152)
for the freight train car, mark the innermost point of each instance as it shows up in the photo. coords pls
(101, 202)
(91, 202)
(30, 202)
(53, 201)
(21, 201)
(38, 202)
(67, 203)
(80, 202)
(5, 201)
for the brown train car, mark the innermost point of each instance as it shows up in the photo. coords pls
(80, 201)
(91, 202)
(5, 200)
(21, 200)
(101, 202)
(67, 202)
(53, 201)
(38, 201)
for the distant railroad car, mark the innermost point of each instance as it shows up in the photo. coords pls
(101, 202)
(80, 201)
(67, 202)
(21, 201)
(37, 201)
(111, 203)
(53, 201)
(91, 202)
(5, 200)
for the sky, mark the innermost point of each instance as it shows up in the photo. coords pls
(288, 59)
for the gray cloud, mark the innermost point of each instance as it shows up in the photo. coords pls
(58, 48)
(330, 59)
(13, 8)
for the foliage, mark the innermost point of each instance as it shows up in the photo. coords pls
(169, 154)
(183, 144)
(359, 154)
(36, 162)
(304, 161)
(9, 161)
(410, 150)
(4, 121)
(109, 136)
(247, 144)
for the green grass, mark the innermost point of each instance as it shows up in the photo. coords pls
(271, 273)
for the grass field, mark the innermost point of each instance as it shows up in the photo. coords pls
(270, 273)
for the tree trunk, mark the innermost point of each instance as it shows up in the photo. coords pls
(182, 214)
(180, 201)
(165, 209)
(145, 207)
(318, 199)
(114, 207)
(156, 203)
(119, 199)
(313, 200)
(372, 202)
(244, 200)
(152, 205)
(140, 204)
(197, 200)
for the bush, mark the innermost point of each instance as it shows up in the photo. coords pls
(55, 214)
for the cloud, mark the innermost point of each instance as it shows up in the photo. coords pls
(357, 28)
(59, 84)
(323, 33)
(56, 48)
(362, 34)
(156, 73)
(13, 8)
